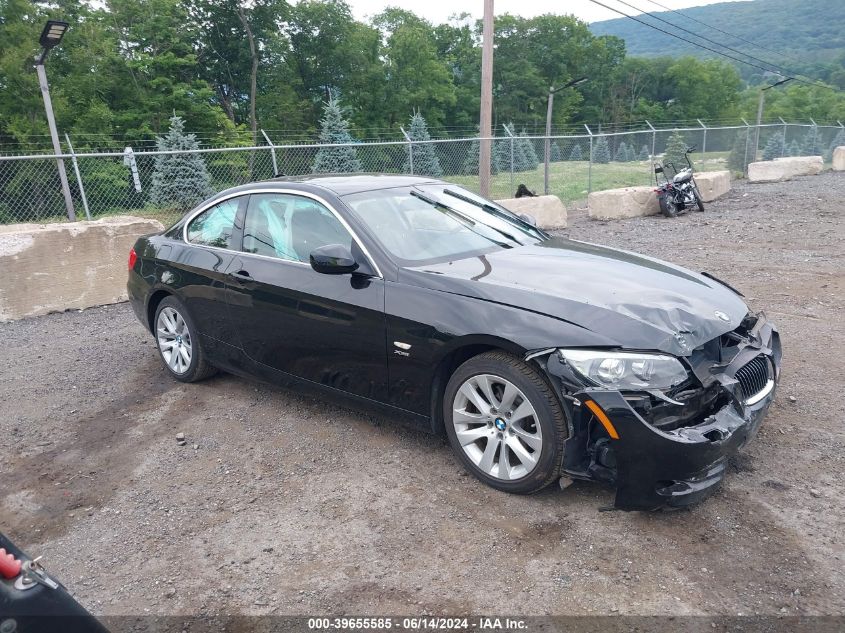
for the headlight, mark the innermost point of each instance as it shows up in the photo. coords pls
(624, 370)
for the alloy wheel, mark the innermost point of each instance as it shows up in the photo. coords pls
(174, 340)
(497, 427)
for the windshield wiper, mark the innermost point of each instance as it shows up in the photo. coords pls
(466, 220)
(498, 213)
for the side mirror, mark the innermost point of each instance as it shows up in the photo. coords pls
(333, 259)
(658, 170)
(691, 149)
(527, 217)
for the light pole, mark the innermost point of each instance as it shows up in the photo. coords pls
(485, 126)
(52, 34)
(760, 113)
(548, 153)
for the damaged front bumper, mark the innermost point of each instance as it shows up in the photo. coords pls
(653, 467)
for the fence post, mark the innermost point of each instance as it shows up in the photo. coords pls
(653, 140)
(747, 138)
(272, 153)
(815, 133)
(704, 140)
(783, 145)
(510, 136)
(590, 165)
(653, 150)
(78, 177)
(410, 149)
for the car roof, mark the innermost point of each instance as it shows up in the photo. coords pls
(344, 184)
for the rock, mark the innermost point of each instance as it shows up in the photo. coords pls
(171, 591)
(180, 436)
(793, 399)
(181, 443)
(815, 493)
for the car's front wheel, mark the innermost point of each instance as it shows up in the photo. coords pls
(178, 342)
(505, 423)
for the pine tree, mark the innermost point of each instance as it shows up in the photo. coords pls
(470, 167)
(737, 160)
(644, 153)
(793, 149)
(621, 153)
(575, 153)
(774, 147)
(838, 141)
(554, 153)
(502, 152)
(810, 144)
(675, 151)
(426, 162)
(335, 131)
(601, 151)
(179, 180)
(529, 154)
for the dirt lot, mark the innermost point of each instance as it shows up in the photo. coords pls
(284, 504)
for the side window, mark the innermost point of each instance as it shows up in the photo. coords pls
(215, 226)
(267, 225)
(290, 227)
(313, 226)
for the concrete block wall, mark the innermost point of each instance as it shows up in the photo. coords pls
(73, 265)
(547, 210)
(839, 159)
(784, 168)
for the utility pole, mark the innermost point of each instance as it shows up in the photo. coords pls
(486, 122)
(760, 113)
(548, 152)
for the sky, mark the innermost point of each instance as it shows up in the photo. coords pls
(438, 11)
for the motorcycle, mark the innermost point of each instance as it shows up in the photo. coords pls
(680, 193)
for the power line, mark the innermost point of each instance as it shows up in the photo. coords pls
(780, 70)
(707, 48)
(723, 32)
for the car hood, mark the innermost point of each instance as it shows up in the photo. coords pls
(639, 302)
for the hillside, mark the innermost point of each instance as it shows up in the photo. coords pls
(811, 31)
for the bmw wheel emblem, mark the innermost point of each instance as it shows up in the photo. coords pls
(722, 316)
(500, 424)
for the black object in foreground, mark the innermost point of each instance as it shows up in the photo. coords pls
(32, 601)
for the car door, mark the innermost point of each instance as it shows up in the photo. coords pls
(329, 329)
(198, 270)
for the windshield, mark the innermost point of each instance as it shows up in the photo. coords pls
(431, 223)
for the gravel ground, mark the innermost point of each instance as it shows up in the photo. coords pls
(285, 504)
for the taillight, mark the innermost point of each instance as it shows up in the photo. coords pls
(133, 257)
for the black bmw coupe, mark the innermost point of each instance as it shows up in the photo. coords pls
(539, 357)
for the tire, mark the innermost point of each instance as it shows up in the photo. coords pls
(667, 206)
(178, 344)
(698, 201)
(531, 442)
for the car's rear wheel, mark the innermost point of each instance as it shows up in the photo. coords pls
(505, 423)
(178, 342)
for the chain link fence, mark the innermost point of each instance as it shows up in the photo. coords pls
(134, 182)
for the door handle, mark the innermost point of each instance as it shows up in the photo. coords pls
(242, 276)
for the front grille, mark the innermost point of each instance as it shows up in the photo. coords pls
(753, 376)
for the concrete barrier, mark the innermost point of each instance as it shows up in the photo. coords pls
(628, 202)
(839, 159)
(547, 210)
(54, 267)
(785, 168)
(713, 184)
